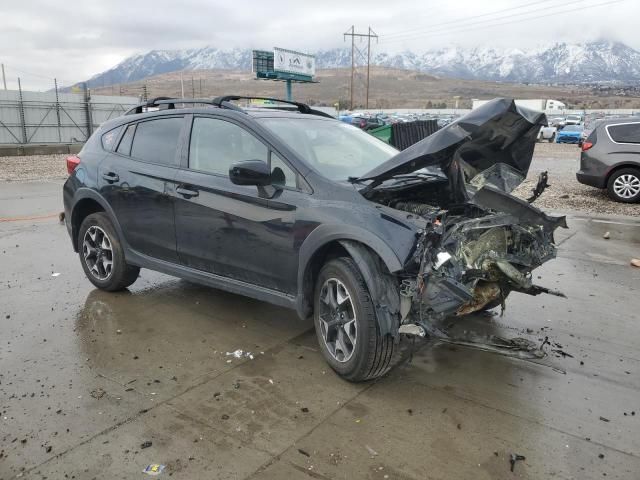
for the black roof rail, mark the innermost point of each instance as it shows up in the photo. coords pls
(225, 102)
(171, 104)
(153, 102)
(220, 102)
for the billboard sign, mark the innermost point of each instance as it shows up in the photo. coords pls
(289, 61)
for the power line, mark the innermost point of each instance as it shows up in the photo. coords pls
(504, 17)
(473, 17)
(479, 27)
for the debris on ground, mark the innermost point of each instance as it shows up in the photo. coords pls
(154, 469)
(601, 456)
(302, 452)
(561, 353)
(98, 393)
(604, 419)
(635, 262)
(240, 353)
(515, 457)
(55, 274)
(304, 410)
(371, 451)
(146, 444)
(606, 236)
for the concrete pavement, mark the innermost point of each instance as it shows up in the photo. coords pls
(86, 377)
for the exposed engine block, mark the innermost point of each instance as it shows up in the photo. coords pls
(416, 208)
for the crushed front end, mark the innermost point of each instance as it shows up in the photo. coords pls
(470, 260)
(479, 243)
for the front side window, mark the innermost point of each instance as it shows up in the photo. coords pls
(217, 144)
(281, 173)
(157, 140)
(629, 133)
(337, 150)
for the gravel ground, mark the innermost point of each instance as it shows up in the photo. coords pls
(564, 194)
(33, 167)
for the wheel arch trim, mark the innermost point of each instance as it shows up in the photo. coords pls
(83, 194)
(358, 242)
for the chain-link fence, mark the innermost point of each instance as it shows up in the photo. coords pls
(37, 118)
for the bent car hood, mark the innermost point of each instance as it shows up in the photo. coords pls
(497, 132)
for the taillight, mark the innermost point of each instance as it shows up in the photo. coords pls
(72, 162)
(586, 145)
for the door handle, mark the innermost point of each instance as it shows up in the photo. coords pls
(111, 177)
(185, 192)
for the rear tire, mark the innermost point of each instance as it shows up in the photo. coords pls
(624, 185)
(362, 354)
(102, 256)
(552, 138)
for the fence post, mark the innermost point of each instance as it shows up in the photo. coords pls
(55, 83)
(21, 113)
(87, 103)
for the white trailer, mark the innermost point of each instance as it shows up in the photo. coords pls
(543, 105)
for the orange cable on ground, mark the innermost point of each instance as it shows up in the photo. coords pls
(23, 219)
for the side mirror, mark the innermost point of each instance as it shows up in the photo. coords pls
(250, 172)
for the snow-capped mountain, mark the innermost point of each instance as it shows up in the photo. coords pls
(600, 61)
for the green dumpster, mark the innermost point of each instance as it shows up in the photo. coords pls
(383, 133)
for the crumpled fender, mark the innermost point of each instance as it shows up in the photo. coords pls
(382, 286)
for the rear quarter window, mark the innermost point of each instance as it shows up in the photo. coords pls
(627, 133)
(109, 138)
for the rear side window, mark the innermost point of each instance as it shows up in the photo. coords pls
(127, 139)
(157, 140)
(216, 144)
(109, 138)
(628, 133)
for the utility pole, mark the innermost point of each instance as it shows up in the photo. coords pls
(369, 35)
(193, 88)
(369, 60)
(4, 78)
(181, 84)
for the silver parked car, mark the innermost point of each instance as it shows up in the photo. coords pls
(610, 159)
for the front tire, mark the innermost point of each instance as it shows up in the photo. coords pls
(102, 256)
(346, 324)
(624, 185)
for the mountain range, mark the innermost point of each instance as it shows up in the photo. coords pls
(592, 62)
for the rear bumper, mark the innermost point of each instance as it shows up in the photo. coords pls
(597, 181)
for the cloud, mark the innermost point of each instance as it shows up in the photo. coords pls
(43, 39)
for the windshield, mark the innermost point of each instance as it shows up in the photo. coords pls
(337, 150)
(573, 128)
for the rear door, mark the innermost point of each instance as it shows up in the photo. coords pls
(230, 230)
(137, 179)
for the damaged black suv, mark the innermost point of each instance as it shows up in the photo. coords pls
(286, 205)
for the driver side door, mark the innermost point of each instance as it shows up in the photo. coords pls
(227, 229)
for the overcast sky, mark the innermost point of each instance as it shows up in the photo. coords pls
(72, 40)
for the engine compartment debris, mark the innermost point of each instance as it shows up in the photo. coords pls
(478, 243)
